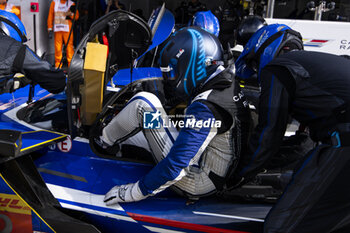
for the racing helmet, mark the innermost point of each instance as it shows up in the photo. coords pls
(248, 27)
(188, 59)
(12, 26)
(267, 43)
(207, 21)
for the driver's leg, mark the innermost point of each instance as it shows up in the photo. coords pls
(130, 121)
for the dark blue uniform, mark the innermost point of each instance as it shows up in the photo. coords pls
(313, 88)
(18, 58)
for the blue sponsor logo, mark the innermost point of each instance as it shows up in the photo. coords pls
(151, 120)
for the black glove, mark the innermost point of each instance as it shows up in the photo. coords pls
(13, 84)
(72, 8)
(16, 83)
(50, 34)
(8, 87)
(21, 82)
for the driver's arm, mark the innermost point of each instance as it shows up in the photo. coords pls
(188, 147)
(186, 150)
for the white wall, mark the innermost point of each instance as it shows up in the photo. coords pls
(40, 40)
(15, 2)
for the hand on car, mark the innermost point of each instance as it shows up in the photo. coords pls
(124, 193)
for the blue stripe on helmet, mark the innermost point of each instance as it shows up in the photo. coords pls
(193, 53)
(198, 68)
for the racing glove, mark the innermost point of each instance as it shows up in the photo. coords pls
(124, 193)
(6, 86)
(20, 81)
(72, 8)
(14, 84)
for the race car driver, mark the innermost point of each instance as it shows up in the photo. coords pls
(197, 158)
(16, 57)
(59, 23)
(314, 88)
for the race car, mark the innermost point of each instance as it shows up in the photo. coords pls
(53, 179)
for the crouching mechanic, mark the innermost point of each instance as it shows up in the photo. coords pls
(197, 158)
(16, 57)
(314, 88)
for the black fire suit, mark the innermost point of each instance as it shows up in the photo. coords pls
(18, 58)
(314, 88)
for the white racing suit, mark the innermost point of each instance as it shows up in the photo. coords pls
(190, 157)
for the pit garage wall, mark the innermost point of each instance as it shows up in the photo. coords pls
(148, 5)
(36, 26)
(331, 37)
(38, 39)
(322, 36)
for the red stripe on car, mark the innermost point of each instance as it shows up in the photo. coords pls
(178, 224)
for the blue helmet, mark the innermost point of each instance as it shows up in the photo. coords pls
(12, 26)
(206, 20)
(188, 59)
(267, 43)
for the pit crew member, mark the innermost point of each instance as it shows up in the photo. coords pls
(18, 58)
(314, 88)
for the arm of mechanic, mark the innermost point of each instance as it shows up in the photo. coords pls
(268, 134)
(42, 73)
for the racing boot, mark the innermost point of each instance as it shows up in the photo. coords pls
(105, 149)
